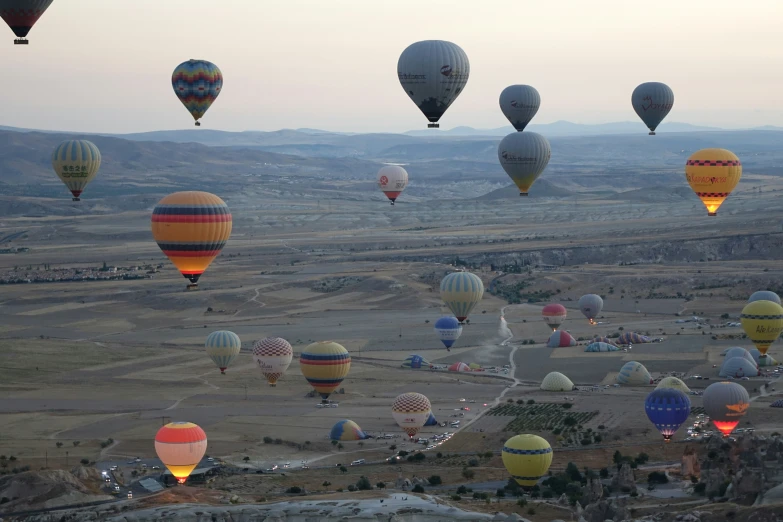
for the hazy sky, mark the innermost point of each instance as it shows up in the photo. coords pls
(105, 65)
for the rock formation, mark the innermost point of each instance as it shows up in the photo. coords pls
(624, 479)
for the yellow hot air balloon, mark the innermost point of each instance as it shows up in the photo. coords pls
(762, 322)
(181, 446)
(191, 228)
(325, 364)
(223, 347)
(713, 174)
(76, 163)
(461, 291)
(527, 457)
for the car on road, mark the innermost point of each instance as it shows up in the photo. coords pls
(113, 468)
(357, 462)
(131, 462)
(155, 467)
(287, 465)
(130, 494)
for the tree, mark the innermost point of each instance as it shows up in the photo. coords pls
(59, 444)
(380, 485)
(268, 440)
(435, 480)
(462, 490)
(363, 483)
(326, 484)
(617, 458)
(335, 443)
(343, 469)
(418, 489)
(76, 443)
(573, 472)
(393, 447)
(340, 446)
(246, 459)
(500, 493)
(85, 461)
(468, 473)
(521, 502)
(361, 444)
(604, 473)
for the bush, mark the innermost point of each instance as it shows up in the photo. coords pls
(570, 421)
(478, 495)
(473, 462)
(657, 477)
(634, 494)
(326, 484)
(351, 487)
(5, 500)
(468, 473)
(435, 480)
(488, 455)
(294, 490)
(586, 442)
(278, 441)
(85, 461)
(500, 493)
(462, 490)
(531, 401)
(604, 473)
(598, 439)
(343, 469)
(642, 458)
(418, 489)
(531, 511)
(521, 502)
(567, 405)
(439, 455)
(380, 485)
(456, 497)
(268, 440)
(520, 401)
(363, 484)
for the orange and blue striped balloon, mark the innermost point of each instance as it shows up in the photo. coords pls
(191, 228)
(325, 364)
(197, 83)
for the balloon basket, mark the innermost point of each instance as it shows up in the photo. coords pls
(523, 194)
(652, 133)
(712, 213)
(76, 199)
(433, 126)
(21, 41)
(198, 124)
(192, 286)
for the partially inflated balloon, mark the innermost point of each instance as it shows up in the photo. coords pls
(223, 347)
(461, 291)
(191, 228)
(392, 180)
(527, 458)
(713, 174)
(652, 101)
(519, 104)
(591, 305)
(762, 322)
(764, 295)
(76, 163)
(524, 156)
(554, 314)
(21, 15)
(667, 408)
(411, 411)
(181, 446)
(273, 355)
(197, 84)
(433, 73)
(725, 403)
(325, 364)
(448, 330)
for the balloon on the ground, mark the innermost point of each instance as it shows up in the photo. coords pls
(674, 383)
(667, 409)
(223, 347)
(527, 458)
(591, 305)
(191, 228)
(652, 101)
(524, 156)
(431, 420)
(739, 351)
(738, 367)
(347, 430)
(713, 174)
(325, 364)
(634, 374)
(554, 314)
(459, 367)
(762, 322)
(273, 355)
(725, 403)
(561, 339)
(411, 411)
(392, 180)
(604, 340)
(767, 360)
(633, 338)
(197, 84)
(433, 73)
(415, 362)
(181, 446)
(519, 104)
(764, 295)
(601, 347)
(556, 381)
(21, 15)
(448, 330)
(76, 163)
(461, 291)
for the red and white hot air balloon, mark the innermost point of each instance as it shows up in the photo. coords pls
(181, 446)
(273, 356)
(392, 180)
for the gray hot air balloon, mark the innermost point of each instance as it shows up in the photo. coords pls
(726, 403)
(764, 295)
(519, 104)
(652, 101)
(524, 156)
(591, 305)
(433, 73)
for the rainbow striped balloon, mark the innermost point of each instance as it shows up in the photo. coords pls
(191, 228)
(223, 347)
(325, 364)
(181, 446)
(347, 430)
(197, 83)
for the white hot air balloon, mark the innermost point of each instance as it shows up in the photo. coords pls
(519, 104)
(524, 156)
(392, 180)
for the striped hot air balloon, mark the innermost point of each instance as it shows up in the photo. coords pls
(197, 84)
(461, 291)
(347, 430)
(325, 364)
(762, 322)
(273, 355)
(712, 175)
(223, 347)
(667, 409)
(527, 458)
(76, 163)
(554, 314)
(21, 15)
(181, 446)
(448, 330)
(411, 411)
(191, 228)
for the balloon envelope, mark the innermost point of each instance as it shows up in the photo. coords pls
(433, 73)
(764, 295)
(591, 305)
(519, 103)
(347, 430)
(448, 330)
(673, 382)
(181, 446)
(554, 314)
(415, 362)
(223, 347)
(524, 156)
(667, 409)
(191, 228)
(725, 403)
(411, 411)
(76, 163)
(21, 15)
(197, 84)
(762, 322)
(652, 101)
(325, 364)
(273, 355)
(461, 291)
(392, 180)
(527, 458)
(713, 174)
(634, 374)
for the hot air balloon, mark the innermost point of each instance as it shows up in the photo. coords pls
(191, 228)
(667, 408)
(673, 382)
(762, 322)
(726, 403)
(519, 104)
(527, 458)
(325, 364)
(197, 84)
(392, 180)
(524, 156)
(554, 314)
(273, 355)
(76, 163)
(591, 305)
(448, 330)
(713, 174)
(556, 381)
(764, 295)
(652, 101)
(223, 347)
(347, 430)
(180, 446)
(21, 15)
(433, 73)
(634, 374)
(411, 411)
(461, 291)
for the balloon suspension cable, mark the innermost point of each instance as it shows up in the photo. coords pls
(21, 41)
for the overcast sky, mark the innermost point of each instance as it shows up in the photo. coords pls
(105, 65)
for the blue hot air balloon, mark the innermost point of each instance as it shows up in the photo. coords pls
(448, 330)
(667, 408)
(431, 421)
